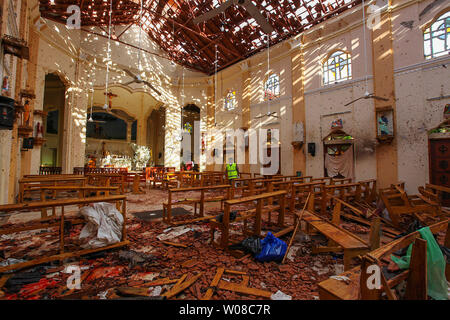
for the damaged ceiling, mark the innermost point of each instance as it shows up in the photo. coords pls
(170, 24)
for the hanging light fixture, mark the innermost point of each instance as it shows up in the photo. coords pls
(215, 86)
(105, 106)
(173, 40)
(92, 103)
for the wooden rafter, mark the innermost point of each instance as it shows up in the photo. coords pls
(193, 45)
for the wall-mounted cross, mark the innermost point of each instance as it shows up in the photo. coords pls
(110, 97)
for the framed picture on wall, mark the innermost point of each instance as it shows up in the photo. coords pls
(385, 124)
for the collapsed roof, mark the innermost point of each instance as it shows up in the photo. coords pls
(234, 31)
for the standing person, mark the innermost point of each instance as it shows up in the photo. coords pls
(232, 170)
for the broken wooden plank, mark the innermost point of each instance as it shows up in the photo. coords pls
(245, 281)
(175, 244)
(214, 284)
(182, 286)
(416, 288)
(235, 272)
(159, 282)
(236, 287)
(190, 263)
(133, 291)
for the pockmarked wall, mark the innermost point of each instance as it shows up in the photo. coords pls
(416, 81)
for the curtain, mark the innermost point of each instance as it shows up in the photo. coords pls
(342, 164)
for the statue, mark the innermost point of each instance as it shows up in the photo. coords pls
(26, 114)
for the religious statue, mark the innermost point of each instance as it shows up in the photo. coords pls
(26, 114)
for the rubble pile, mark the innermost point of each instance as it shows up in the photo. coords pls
(157, 257)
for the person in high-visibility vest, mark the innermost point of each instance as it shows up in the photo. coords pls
(232, 170)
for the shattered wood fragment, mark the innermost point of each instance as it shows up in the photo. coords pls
(214, 284)
(133, 291)
(236, 287)
(235, 272)
(180, 280)
(181, 287)
(189, 263)
(4, 279)
(159, 282)
(175, 244)
(245, 280)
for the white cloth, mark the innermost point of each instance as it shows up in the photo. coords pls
(341, 164)
(103, 227)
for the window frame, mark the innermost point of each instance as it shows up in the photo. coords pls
(230, 97)
(273, 85)
(441, 17)
(327, 68)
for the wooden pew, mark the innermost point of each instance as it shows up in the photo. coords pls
(368, 191)
(333, 289)
(255, 213)
(300, 193)
(107, 180)
(31, 184)
(337, 181)
(347, 192)
(327, 180)
(288, 185)
(340, 240)
(59, 222)
(200, 202)
(257, 186)
(241, 184)
(73, 192)
(348, 211)
(398, 203)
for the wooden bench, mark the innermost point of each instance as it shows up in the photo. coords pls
(327, 180)
(348, 211)
(200, 202)
(80, 191)
(356, 288)
(368, 191)
(32, 184)
(398, 203)
(258, 186)
(255, 213)
(241, 184)
(288, 185)
(59, 222)
(347, 192)
(339, 238)
(107, 180)
(300, 192)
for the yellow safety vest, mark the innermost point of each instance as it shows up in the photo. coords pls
(232, 171)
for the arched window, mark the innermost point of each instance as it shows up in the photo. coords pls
(230, 100)
(272, 87)
(337, 67)
(436, 38)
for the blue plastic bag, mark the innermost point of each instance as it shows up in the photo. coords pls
(273, 249)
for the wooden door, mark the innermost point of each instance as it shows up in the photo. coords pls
(440, 165)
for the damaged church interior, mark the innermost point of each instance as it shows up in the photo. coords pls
(225, 150)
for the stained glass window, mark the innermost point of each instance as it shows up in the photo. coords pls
(272, 87)
(437, 37)
(230, 100)
(338, 67)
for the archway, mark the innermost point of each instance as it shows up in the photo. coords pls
(53, 126)
(108, 139)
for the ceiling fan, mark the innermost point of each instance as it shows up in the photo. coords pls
(368, 96)
(268, 114)
(247, 4)
(138, 79)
